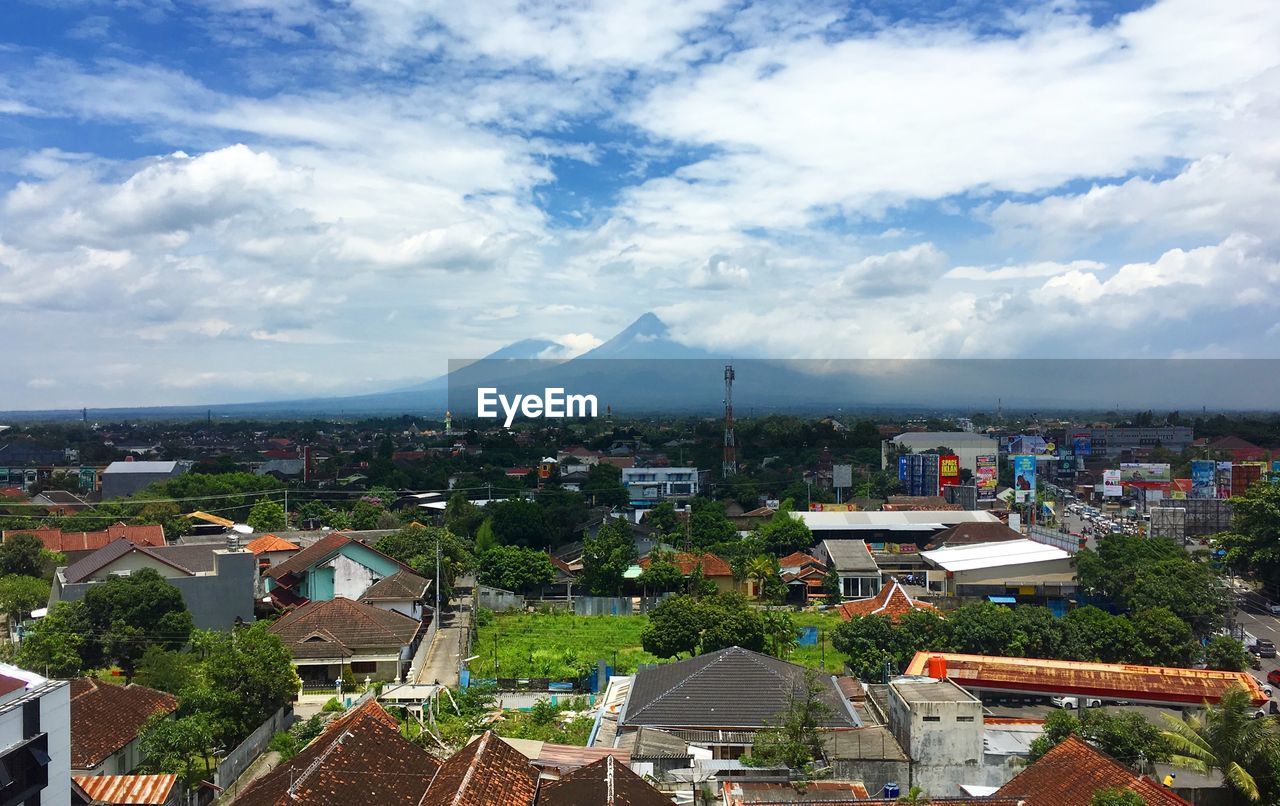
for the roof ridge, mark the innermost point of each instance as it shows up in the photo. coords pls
(722, 655)
(471, 768)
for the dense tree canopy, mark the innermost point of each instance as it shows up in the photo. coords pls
(783, 534)
(22, 555)
(55, 645)
(127, 614)
(519, 523)
(415, 546)
(606, 556)
(1253, 542)
(516, 568)
(267, 516)
(688, 624)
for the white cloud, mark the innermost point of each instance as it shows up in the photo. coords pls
(1023, 271)
(907, 271)
(718, 272)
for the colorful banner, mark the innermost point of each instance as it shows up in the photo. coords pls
(1082, 445)
(987, 477)
(815, 507)
(1145, 474)
(88, 479)
(948, 470)
(1111, 484)
(1024, 478)
(1202, 483)
(1224, 479)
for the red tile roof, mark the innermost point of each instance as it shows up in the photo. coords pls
(487, 772)
(323, 629)
(1115, 681)
(754, 793)
(106, 717)
(309, 556)
(712, 566)
(799, 559)
(58, 540)
(1070, 774)
(891, 601)
(269, 542)
(607, 782)
(127, 790)
(360, 758)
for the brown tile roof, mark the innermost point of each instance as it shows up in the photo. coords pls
(400, 585)
(317, 551)
(127, 790)
(487, 772)
(712, 566)
(106, 717)
(1069, 775)
(361, 758)
(606, 782)
(754, 793)
(86, 567)
(269, 542)
(891, 601)
(325, 629)
(968, 534)
(58, 540)
(1114, 681)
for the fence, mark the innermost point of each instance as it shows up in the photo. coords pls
(239, 759)
(602, 606)
(1049, 537)
(498, 600)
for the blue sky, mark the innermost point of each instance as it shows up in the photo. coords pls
(228, 200)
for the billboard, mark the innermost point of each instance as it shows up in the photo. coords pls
(1202, 483)
(918, 473)
(1224, 479)
(1145, 474)
(842, 476)
(948, 470)
(986, 477)
(1244, 475)
(1024, 478)
(88, 479)
(1111, 483)
(816, 507)
(1082, 444)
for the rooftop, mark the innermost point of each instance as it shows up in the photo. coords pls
(880, 519)
(269, 542)
(143, 467)
(929, 689)
(892, 601)
(850, 555)
(127, 790)
(60, 541)
(1070, 773)
(106, 717)
(994, 555)
(607, 782)
(316, 629)
(487, 772)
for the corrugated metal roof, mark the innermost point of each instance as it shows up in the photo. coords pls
(141, 467)
(993, 555)
(884, 520)
(127, 790)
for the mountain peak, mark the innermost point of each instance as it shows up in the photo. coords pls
(646, 337)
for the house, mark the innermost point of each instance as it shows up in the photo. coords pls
(647, 486)
(1030, 571)
(403, 592)
(803, 575)
(217, 584)
(554, 760)
(61, 502)
(331, 567)
(330, 636)
(607, 782)
(706, 697)
(851, 560)
(579, 455)
(128, 790)
(120, 479)
(105, 722)
(1070, 774)
(968, 534)
(79, 544)
(35, 738)
(940, 726)
(1235, 449)
(359, 758)
(270, 551)
(713, 568)
(487, 772)
(751, 793)
(892, 601)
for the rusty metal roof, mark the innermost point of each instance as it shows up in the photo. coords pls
(127, 790)
(1118, 681)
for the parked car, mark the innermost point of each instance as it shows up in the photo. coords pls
(1264, 648)
(1072, 703)
(1273, 608)
(1273, 677)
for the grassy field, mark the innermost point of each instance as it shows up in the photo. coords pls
(563, 646)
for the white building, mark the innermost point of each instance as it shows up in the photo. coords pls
(649, 485)
(967, 445)
(1005, 568)
(35, 738)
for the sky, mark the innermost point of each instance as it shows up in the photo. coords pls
(234, 200)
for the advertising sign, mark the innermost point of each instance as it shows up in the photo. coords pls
(918, 473)
(816, 507)
(986, 477)
(1224, 479)
(948, 470)
(1202, 484)
(1082, 445)
(842, 476)
(1243, 476)
(1024, 478)
(1111, 483)
(1141, 474)
(4, 477)
(88, 479)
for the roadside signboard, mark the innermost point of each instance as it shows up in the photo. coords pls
(1024, 478)
(987, 476)
(1202, 485)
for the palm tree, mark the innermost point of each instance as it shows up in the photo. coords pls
(1224, 737)
(915, 797)
(760, 569)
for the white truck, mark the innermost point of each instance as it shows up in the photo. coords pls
(1073, 703)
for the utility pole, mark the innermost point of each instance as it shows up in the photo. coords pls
(729, 466)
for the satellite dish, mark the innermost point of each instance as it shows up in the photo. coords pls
(242, 528)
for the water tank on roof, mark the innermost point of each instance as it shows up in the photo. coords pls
(937, 667)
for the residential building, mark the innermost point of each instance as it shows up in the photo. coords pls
(851, 560)
(713, 568)
(803, 574)
(329, 636)
(607, 782)
(35, 738)
(487, 772)
(403, 592)
(334, 566)
(106, 720)
(939, 724)
(359, 758)
(1073, 771)
(1024, 569)
(217, 584)
(967, 446)
(647, 486)
(269, 551)
(1114, 442)
(121, 479)
(702, 699)
(127, 790)
(892, 601)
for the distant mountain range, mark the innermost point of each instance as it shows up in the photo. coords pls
(644, 370)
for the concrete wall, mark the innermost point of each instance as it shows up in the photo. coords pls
(55, 720)
(135, 561)
(215, 600)
(406, 607)
(1051, 571)
(117, 485)
(941, 731)
(874, 773)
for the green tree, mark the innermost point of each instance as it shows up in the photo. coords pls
(762, 570)
(782, 534)
(980, 629)
(19, 595)
(1253, 542)
(603, 486)
(485, 538)
(831, 586)
(728, 620)
(664, 520)
(1225, 738)
(267, 516)
(867, 641)
(794, 739)
(1226, 653)
(1114, 796)
(246, 674)
(515, 568)
(1163, 639)
(780, 633)
(708, 524)
(1091, 634)
(564, 510)
(461, 516)
(519, 523)
(169, 745)
(675, 626)
(369, 513)
(165, 670)
(415, 546)
(127, 614)
(660, 574)
(21, 555)
(54, 645)
(1127, 737)
(606, 556)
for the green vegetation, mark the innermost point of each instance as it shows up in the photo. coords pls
(1227, 739)
(1127, 737)
(793, 738)
(559, 646)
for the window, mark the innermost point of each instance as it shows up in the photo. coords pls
(964, 719)
(364, 666)
(933, 719)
